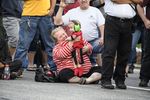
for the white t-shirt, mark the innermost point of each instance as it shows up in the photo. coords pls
(118, 10)
(90, 20)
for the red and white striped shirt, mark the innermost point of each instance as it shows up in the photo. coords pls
(63, 58)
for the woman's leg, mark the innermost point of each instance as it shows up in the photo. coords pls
(94, 77)
(67, 75)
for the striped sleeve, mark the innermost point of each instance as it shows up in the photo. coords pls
(61, 52)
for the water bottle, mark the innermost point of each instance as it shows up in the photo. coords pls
(6, 73)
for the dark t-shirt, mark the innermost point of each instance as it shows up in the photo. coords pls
(146, 3)
(11, 8)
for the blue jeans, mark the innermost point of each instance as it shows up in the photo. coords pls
(97, 48)
(28, 28)
(135, 38)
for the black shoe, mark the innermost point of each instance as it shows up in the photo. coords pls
(143, 83)
(120, 84)
(107, 84)
(130, 71)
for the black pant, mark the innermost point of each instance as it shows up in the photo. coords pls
(117, 39)
(2, 30)
(145, 68)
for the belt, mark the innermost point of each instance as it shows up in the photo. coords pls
(119, 19)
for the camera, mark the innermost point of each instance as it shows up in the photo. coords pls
(69, 1)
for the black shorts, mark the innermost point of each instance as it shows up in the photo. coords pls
(35, 42)
(66, 74)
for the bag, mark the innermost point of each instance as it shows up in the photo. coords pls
(97, 3)
(136, 20)
(44, 75)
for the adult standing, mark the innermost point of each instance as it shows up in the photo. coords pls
(11, 10)
(5, 57)
(36, 16)
(145, 67)
(91, 20)
(118, 39)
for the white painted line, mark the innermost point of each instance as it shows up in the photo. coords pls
(138, 88)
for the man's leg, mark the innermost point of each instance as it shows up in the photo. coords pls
(28, 27)
(145, 67)
(32, 52)
(123, 51)
(111, 39)
(46, 25)
(97, 49)
(11, 25)
(135, 38)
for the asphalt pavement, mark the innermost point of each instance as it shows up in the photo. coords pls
(27, 89)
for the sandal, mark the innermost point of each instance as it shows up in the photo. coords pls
(82, 81)
(31, 68)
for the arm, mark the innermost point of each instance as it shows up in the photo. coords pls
(101, 28)
(58, 17)
(62, 52)
(127, 1)
(53, 3)
(143, 17)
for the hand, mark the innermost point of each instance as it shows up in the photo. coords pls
(6, 65)
(101, 41)
(147, 24)
(68, 38)
(1, 65)
(85, 49)
(51, 11)
(62, 4)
